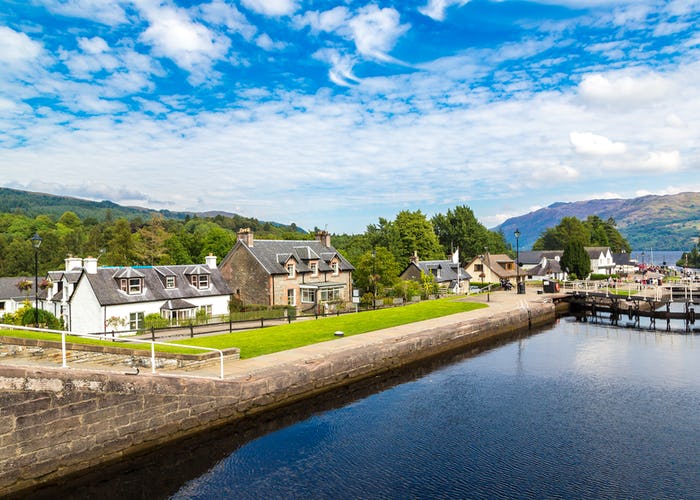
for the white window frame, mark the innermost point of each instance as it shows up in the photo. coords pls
(291, 297)
(291, 270)
(335, 267)
(170, 282)
(314, 269)
(308, 295)
(136, 321)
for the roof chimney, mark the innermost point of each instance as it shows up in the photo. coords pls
(73, 263)
(90, 265)
(245, 236)
(324, 237)
(414, 258)
(210, 261)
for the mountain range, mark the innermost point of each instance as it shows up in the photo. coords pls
(669, 222)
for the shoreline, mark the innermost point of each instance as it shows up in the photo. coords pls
(59, 422)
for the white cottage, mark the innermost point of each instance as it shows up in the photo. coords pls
(93, 299)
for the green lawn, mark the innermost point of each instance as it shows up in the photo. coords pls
(300, 333)
(280, 338)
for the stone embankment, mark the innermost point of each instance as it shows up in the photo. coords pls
(55, 422)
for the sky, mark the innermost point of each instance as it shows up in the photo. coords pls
(334, 114)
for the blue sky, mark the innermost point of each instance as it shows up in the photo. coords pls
(333, 114)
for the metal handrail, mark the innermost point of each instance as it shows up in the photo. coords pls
(64, 333)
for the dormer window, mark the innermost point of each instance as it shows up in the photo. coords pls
(291, 270)
(131, 286)
(170, 282)
(334, 266)
(314, 268)
(199, 281)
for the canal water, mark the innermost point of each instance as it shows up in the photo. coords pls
(578, 410)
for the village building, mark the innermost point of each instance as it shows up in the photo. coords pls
(447, 273)
(494, 268)
(92, 299)
(15, 292)
(309, 275)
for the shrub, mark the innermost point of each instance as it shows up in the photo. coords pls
(46, 319)
(155, 320)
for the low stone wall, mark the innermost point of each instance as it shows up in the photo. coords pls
(54, 422)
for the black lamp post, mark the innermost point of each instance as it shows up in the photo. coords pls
(36, 243)
(521, 288)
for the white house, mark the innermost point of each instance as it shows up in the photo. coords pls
(11, 297)
(601, 260)
(93, 299)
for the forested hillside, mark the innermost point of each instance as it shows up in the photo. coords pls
(669, 222)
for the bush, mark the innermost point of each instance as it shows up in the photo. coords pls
(46, 319)
(155, 320)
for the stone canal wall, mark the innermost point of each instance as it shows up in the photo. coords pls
(56, 422)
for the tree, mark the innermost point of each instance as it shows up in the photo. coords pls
(378, 267)
(576, 260)
(459, 228)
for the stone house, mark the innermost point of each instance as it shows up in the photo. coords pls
(447, 273)
(93, 299)
(309, 275)
(494, 268)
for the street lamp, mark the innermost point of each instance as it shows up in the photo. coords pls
(36, 243)
(521, 289)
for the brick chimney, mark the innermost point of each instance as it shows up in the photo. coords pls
(245, 236)
(324, 237)
(414, 258)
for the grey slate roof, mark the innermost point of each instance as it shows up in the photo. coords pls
(9, 290)
(532, 257)
(447, 268)
(274, 254)
(105, 283)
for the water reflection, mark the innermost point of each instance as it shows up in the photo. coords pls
(576, 411)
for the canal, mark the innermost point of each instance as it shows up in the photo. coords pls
(578, 410)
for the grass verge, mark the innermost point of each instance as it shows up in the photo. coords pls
(281, 338)
(254, 343)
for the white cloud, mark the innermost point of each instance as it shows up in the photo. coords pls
(16, 47)
(675, 121)
(109, 12)
(265, 42)
(376, 30)
(328, 21)
(341, 67)
(435, 9)
(272, 8)
(191, 45)
(592, 144)
(624, 88)
(220, 13)
(663, 161)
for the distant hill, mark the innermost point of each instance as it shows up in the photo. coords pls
(669, 222)
(32, 204)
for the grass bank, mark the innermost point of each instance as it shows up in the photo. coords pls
(304, 332)
(281, 338)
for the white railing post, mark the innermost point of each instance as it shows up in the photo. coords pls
(153, 357)
(63, 349)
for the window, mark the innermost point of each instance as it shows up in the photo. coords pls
(136, 321)
(291, 297)
(206, 309)
(170, 282)
(478, 267)
(308, 296)
(291, 271)
(314, 269)
(132, 286)
(330, 294)
(2, 305)
(334, 266)
(199, 281)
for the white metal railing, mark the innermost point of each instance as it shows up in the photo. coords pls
(153, 343)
